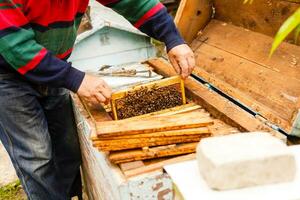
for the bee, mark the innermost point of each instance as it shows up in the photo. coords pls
(146, 100)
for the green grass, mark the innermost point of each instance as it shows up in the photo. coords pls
(12, 191)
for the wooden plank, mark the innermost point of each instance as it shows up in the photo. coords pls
(261, 16)
(252, 46)
(216, 105)
(131, 165)
(220, 128)
(242, 97)
(116, 145)
(159, 165)
(234, 70)
(158, 124)
(155, 152)
(192, 16)
(183, 132)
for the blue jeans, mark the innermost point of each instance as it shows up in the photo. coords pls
(38, 130)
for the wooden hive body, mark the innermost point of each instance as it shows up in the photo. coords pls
(236, 60)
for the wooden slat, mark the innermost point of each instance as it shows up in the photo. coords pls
(158, 165)
(131, 165)
(215, 104)
(155, 152)
(252, 46)
(220, 128)
(261, 16)
(158, 124)
(267, 87)
(192, 16)
(115, 145)
(183, 132)
(246, 99)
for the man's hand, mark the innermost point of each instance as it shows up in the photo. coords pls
(182, 59)
(94, 90)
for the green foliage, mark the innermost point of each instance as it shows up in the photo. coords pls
(297, 34)
(12, 191)
(291, 24)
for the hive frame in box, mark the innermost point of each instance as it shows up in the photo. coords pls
(159, 84)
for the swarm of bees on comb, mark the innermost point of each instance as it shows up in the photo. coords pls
(147, 100)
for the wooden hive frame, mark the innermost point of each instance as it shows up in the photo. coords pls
(160, 83)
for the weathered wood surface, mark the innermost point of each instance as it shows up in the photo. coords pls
(192, 16)
(104, 180)
(236, 61)
(251, 46)
(263, 16)
(183, 132)
(116, 145)
(216, 105)
(96, 174)
(154, 152)
(159, 165)
(153, 124)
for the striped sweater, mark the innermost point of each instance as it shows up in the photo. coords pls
(37, 36)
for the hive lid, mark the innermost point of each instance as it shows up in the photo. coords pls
(236, 61)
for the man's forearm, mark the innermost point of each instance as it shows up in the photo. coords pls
(151, 17)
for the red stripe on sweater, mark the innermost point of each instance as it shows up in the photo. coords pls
(33, 63)
(54, 11)
(63, 55)
(11, 18)
(149, 14)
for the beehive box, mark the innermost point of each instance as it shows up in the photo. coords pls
(229, 59)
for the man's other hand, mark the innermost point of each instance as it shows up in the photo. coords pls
(182, 59)
(94, 90)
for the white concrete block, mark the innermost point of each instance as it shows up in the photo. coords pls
(244, 160)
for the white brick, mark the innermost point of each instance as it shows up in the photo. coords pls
(243, 160)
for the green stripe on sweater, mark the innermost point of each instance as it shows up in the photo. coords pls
(133, 10)
(57, 40)
(12, 6)
(19, 48)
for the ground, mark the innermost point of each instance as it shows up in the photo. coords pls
(12, 191)
(7, 172)
(10, 188)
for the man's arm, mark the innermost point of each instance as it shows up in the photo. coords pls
(19, 49)
(151, 17)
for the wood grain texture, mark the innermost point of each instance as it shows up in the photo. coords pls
(251, 46)
(157, 124)
(192, 16)
(241, 68)
(159, 165)
(263, 16)
(116, 145)
(216, 105)
(183, 132)
(154, 152)
(131, 165)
